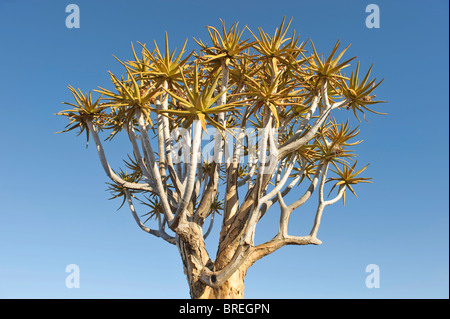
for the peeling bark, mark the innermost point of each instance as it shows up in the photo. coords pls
(194, 256)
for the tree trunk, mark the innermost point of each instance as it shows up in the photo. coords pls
(193, 253)
(233, 288)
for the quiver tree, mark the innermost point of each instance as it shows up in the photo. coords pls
(230, 129)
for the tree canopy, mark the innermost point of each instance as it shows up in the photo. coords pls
(229, 129)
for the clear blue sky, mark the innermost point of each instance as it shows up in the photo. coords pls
(53, 204)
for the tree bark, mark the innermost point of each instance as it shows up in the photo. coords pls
(190, 243)
(233, 288)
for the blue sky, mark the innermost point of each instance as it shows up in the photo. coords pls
(53, 204)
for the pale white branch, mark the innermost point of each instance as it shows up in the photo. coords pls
(281, 183)
(149, 155)
(109, 172)
(158, 233)
(190, 177)
(211, 223)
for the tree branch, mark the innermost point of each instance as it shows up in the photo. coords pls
(190, 178)
(158, 233)
(109, 172)
(148, 152)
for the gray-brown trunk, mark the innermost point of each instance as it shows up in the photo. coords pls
(194, 255)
